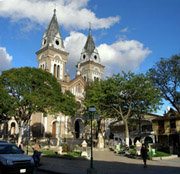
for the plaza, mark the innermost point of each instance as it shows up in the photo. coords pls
(107, 162)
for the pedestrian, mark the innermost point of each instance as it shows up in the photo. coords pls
(21, 147)
(144, 154)
(36, 155)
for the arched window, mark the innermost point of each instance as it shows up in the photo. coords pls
(58, 71)
(78, 88)
(13, 128)
(55, 70)
(85, 78)
(54, 129)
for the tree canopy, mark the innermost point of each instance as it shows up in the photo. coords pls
(31, 90)
(6, 104)
(122, 95)
(166, 76)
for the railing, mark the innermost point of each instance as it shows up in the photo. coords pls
(173, 130)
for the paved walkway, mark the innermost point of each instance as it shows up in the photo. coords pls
(106, 162)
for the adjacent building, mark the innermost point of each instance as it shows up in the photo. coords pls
(140, 128)
(167, 131)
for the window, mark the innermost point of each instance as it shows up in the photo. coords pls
(55, 70)
(95, 57)
(161, 127)
(57, 42)
(58, 71)
(146, 128)
(78, 88)
(172, 126)
(84, 56)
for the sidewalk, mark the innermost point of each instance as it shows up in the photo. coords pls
(106, 162)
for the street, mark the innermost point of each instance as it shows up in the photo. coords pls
(42, 172)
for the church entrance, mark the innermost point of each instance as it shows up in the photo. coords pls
(54, 129)
(78, 128)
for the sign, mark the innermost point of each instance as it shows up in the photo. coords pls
(92, 109)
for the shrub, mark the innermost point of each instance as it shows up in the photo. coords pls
(65, 148)
(132, 152)
(132, 147)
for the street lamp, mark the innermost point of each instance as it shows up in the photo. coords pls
(91, 111)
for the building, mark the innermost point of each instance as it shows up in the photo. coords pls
(139, 129)
(167, 131)
(52, 57)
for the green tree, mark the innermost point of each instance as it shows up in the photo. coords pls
(31, 90)
(6, 104)
(120, 96)
(166, 76)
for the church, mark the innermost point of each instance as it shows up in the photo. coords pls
(52, 57)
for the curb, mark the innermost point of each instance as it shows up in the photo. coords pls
(165, 157)
(66, 157)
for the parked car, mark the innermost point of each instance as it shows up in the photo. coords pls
(12, 160)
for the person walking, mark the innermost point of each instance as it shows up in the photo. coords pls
(144, 154)
(36, 155)
(21, 147)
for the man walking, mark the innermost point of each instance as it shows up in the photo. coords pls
(144, 154)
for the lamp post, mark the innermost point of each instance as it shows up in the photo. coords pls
(91, 110)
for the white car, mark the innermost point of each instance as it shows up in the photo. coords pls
(12, 160)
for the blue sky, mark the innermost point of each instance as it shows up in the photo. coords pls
(129, 34)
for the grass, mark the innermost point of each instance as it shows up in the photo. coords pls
(74, 154)
(161, 154)
(53, 152)
(158, 153)
(48, 152)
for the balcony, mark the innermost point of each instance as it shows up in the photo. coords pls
(161, 131)
(173, 130)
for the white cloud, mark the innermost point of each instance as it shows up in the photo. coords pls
(71, 13)
(74, 45)
(123, 54)
(5, 59)
(124, 30)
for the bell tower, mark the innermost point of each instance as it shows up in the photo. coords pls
(52, 56)
(89, 65)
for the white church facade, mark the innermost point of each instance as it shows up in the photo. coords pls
(52, 57)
